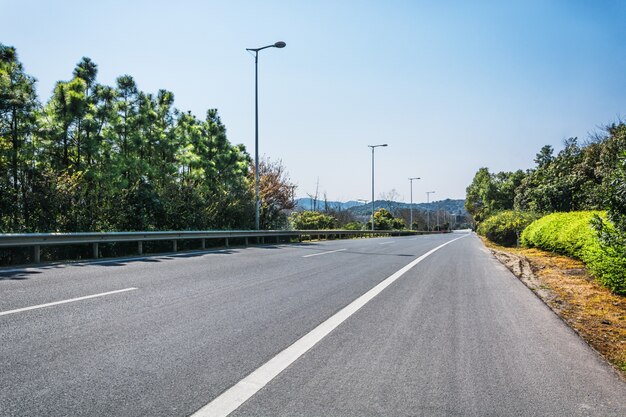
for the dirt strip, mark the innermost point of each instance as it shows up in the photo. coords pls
(564, 284)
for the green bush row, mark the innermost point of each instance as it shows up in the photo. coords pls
(504, 228)
(311, 220)
(572, 234)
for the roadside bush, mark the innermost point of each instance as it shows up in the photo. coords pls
(311, 220)
(572, 234)
(504, 228)
(354, 226)
(384, 220)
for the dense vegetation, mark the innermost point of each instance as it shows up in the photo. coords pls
(505, 227)
(572, 234)
(384, 220)
(97, 157)
(580, 177)
(572, 184)
(311, 220)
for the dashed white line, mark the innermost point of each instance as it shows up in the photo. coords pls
(232, 398)
(323, 253)
(71, 300)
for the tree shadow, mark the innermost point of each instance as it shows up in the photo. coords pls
(23, 272)
(17, 275)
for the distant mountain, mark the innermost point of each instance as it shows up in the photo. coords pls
(449, 206)
(361, 209)
(307, 204)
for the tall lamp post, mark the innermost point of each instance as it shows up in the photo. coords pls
(411, 206)
(279, 44)
(428, 193)
(373, 147)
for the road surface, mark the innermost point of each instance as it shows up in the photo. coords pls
(361, 327)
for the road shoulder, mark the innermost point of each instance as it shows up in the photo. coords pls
(566, 286)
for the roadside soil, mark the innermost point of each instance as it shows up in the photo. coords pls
(566, 286)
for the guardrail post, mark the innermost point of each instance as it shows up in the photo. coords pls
(204, 243)
(262, 240)
(226, 243)
(277, 239)
(175, 245)
(37, 254)
(96, 251)
(246, 241)
(140, 247)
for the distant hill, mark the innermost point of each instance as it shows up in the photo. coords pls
(360, 209)
(307, 204)
(447, 205)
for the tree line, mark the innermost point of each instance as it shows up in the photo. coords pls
(101, 158)
(587, 176)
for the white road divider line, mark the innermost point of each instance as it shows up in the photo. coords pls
(235, 396)
(71, 300)
(323, 253)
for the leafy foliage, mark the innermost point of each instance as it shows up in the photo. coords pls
(616, 197)
(311, 220)
(489, 193)
(384, 220)
(354, 226)
(572, 234)
(276, 193)
(97, 158)
(567, 182)
(505, 228)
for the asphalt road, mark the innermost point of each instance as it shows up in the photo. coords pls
(455, 335)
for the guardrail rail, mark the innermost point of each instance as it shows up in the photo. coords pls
(37, 240)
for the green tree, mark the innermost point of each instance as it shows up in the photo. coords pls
(384, 220)
(99, 157)
(18, 108)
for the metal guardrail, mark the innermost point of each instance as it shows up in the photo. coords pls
(36, 240)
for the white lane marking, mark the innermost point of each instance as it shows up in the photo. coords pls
(71, 300)
(323, 253)
(386, 243)
(232, 398)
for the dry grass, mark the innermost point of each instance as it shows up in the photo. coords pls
(565, 285)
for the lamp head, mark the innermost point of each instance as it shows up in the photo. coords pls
(280, 44)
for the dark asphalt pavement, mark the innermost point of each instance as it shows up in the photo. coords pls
(456, 335)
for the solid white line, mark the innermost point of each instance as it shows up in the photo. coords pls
(71, 300)
(323, 253)
(232, 398)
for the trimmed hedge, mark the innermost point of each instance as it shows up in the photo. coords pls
(505, 227)
(572, 234)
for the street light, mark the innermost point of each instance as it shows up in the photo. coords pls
(373, 147)
(411, 206)
(428, 193)
(279, 44)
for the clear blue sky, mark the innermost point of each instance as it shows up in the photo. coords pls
(451, 85)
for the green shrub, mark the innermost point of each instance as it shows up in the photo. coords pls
(384, 220)
(354, 226)
(572, 234)
(504, 228)
(311, 220)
